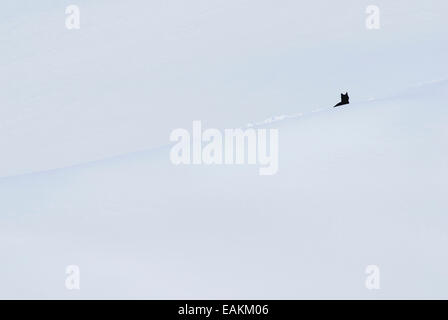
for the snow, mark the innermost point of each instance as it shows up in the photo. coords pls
(86, 179)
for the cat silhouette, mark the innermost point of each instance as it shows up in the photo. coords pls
(344, 100)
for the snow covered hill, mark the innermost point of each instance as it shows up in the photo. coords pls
(86, 179)
(359, 185)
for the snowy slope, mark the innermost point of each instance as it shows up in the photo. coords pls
(364, 184)
(85, 176)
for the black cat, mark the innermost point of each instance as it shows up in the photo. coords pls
(344, 100)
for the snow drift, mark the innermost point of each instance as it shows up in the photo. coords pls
(359, 185)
